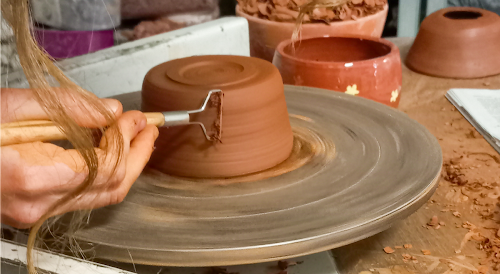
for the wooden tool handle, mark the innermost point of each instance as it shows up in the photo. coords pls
(155, 118)
(44, 130)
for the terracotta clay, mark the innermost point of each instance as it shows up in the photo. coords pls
(457, 42)
(369, 68)
(256, 131)
(288, 10)
(265, 35)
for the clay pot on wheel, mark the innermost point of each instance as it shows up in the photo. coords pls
(457, 42)
(256, 131)
(265, 35)
(369, 68)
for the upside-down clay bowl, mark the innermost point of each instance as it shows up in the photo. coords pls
(365, 67)
(256, 131)
(457, 42)
(265, 35)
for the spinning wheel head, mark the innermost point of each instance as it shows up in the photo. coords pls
(357, 166)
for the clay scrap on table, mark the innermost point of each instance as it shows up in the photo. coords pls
(288, 10)
(149, 28)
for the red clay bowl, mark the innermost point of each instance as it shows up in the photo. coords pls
(365, 67)
(256, 131)
(265, 35)
(457, 42)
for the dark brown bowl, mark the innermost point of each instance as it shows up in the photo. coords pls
(457, 42)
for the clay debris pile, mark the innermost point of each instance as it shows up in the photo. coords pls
(326, 11)
(478, 183)
(152, 27)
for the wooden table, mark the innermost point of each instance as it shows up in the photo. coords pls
(423, 100)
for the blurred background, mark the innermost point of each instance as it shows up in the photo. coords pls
(76, 27)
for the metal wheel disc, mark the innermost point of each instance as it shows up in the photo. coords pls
(357, 167)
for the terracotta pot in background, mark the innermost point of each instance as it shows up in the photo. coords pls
(457, 42)
(265, 35)
(256, 131)
(369, 68)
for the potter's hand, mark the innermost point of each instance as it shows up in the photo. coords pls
(35, 176)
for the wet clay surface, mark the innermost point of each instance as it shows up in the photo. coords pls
(457, 42)
(466, 238)
(256, 132)
(369, 68)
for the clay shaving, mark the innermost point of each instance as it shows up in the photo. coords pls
(322, 11)
(434, 221)
(388, 250)
(426, 252)
(216, 100)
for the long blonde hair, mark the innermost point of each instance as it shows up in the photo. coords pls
(37, 66)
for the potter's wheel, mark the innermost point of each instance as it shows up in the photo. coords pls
(357, 167)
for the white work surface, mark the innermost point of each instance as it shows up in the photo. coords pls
(119, 70)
